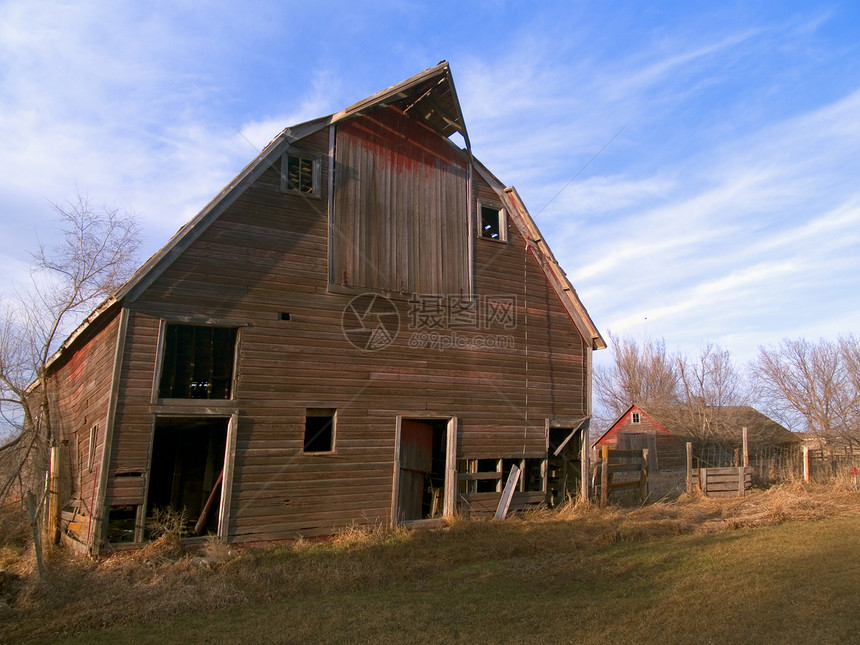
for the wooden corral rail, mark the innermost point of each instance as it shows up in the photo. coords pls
(613, 461)
(722, 482)
(731, 481)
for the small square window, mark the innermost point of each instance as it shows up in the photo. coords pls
(492, 222)
(300, 173)
(635, 417)
(319, 430)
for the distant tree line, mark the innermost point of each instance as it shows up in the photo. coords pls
(807, 386)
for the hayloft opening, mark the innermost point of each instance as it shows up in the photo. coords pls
(492, 222)
(186, 472)
(300, 173)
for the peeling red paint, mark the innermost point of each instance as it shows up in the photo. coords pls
(399, 143)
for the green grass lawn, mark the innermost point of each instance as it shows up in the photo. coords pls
(536, 582)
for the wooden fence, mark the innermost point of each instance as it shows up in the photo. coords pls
(721, 482)
(731, 481)
(614, 462)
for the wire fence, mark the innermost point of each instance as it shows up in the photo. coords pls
(779, 464)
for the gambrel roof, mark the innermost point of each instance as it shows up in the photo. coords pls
(428, 96)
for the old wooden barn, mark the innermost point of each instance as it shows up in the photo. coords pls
(665, 431)
(364, 326)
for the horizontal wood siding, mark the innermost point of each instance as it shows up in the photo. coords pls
(80, 385)
(267, 255)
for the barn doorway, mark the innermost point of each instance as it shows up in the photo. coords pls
(564, 462)
(424, 474)
(187, 471)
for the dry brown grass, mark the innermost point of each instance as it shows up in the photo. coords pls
(161, 581)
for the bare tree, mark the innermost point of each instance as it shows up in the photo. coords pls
(710, 385)
(849, 349)
(813, 386)
(641, 373)
(96, 251)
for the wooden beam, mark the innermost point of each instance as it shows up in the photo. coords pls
(604, 476)
(689, 467)
(99, 511)
(508, 493)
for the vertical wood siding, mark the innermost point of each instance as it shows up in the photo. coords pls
(400, 214)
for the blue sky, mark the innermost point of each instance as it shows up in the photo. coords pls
(726, 207)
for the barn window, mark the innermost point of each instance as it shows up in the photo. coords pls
(197, 362)
(319, 430)
(492, 222)
(300, 173)
(635, 417)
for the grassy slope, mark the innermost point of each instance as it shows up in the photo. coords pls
(680, 573)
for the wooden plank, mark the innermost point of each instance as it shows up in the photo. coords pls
(604, 477)
(690, 473)
(469, 477)
(508, 493)
(616, 453)
(619, 485)
(625, 468)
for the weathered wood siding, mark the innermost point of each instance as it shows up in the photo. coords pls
(400, 216)
(267, 255)
(80, 388)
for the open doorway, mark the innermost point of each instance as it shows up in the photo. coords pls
(564, 464)
(187, 470)
(424, 488)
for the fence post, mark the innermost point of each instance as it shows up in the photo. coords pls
(585, 467)
(604, 476)
(806, 464)
(34, 523)
(643, 477)
(53, 519)
(746, 447)
(689, 467)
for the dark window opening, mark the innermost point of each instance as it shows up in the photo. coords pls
(491, 223)
(507, 465)
(487, 485)
(198, 362)
(283, 316)
(532, 476)
(319, 430)
(300, 174)
(186, 473)
(120, 523)
(635, 417)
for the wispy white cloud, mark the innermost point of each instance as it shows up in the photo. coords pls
(726, 208)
